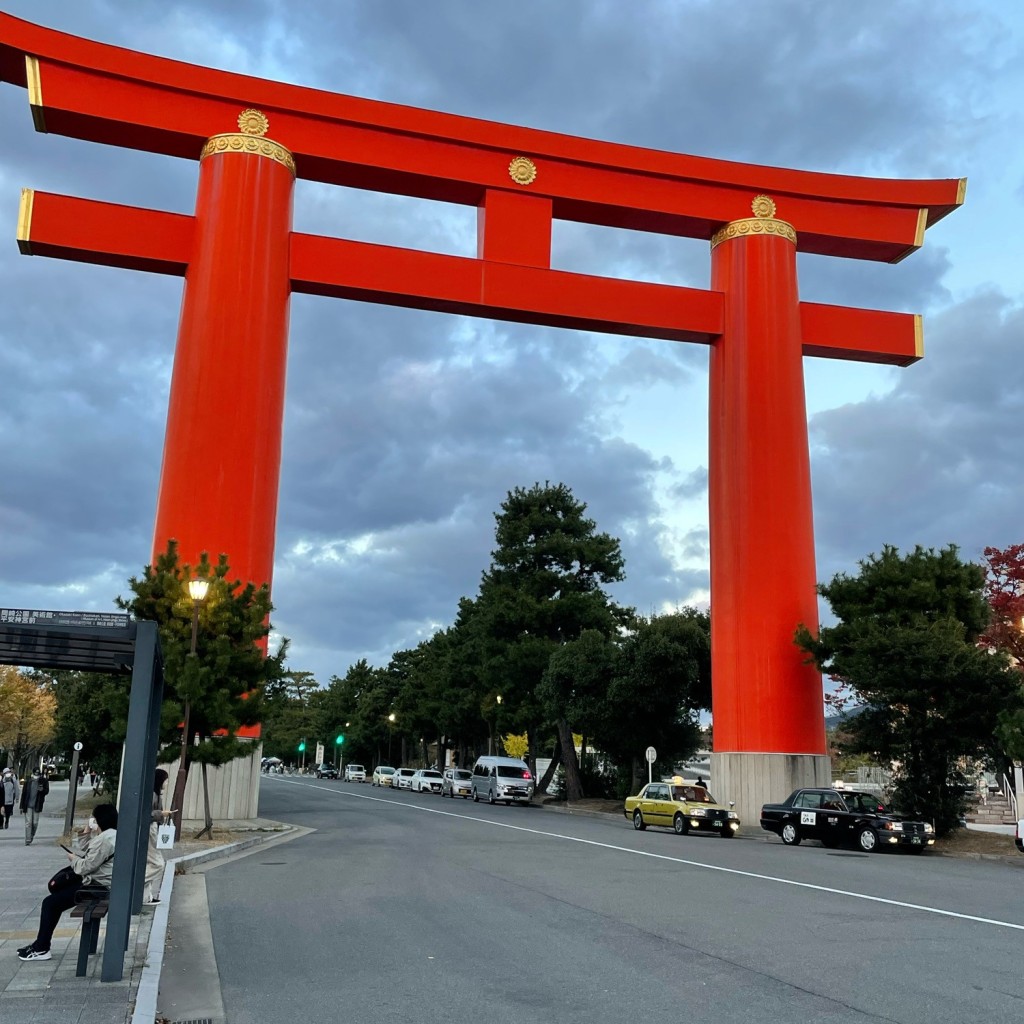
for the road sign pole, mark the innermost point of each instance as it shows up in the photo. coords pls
(69, 814)
(652, 755)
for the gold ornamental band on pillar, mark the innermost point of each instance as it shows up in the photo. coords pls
(764, 222)
(253, 125)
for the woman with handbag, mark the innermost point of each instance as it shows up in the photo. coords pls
(94, 863)
(154, 858)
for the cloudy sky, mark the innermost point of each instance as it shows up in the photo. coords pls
(404, 430)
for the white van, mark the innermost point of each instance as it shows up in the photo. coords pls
(501, 778)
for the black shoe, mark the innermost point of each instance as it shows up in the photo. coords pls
(34, 954)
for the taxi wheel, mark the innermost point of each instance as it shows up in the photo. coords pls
(867, 840)
(679, 825)
(476, 796)
(790, 836)
(638, 821)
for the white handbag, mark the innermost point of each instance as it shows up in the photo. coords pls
(165, 837)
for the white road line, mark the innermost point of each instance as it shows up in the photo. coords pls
(679, 860)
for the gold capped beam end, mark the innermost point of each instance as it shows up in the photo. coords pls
(28, 196)
(961, 192)
(35, 93)
(918, 335)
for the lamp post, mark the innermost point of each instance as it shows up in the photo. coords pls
(197, 590)
(391, 730)
(491, 730)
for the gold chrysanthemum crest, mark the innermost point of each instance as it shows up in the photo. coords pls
(253, 122)
(522, 170)
(763, 222)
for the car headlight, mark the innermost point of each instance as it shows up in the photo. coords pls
(698, 812)
(894, 826)
(928, 827)
(734, 816)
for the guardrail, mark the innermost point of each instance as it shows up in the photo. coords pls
(1006, 788)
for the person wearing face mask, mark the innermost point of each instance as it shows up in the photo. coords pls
(9, 792)
(94, 861)
(33, 793)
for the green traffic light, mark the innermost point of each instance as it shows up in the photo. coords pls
(340, 739)
(302, 746)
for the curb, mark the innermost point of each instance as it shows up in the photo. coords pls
(148, 992)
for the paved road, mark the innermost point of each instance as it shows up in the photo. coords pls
(406, 907)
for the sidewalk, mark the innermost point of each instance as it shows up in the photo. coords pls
(48, 991)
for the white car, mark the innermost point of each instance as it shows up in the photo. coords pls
(383, 775)
(355, 773)
(426, 780)
(402, 779)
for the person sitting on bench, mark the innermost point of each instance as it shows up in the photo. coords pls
(95, 863)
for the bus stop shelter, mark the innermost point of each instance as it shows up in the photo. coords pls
(115, 644)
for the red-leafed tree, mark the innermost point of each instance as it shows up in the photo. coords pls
(1004, 591)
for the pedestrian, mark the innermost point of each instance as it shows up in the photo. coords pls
(154, 858)
(10, 790)
(94, 861)
(33, 793)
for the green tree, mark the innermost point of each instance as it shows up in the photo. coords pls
(544, 587)
(907, 647)
(219, 688)
(661, 683)
(93, 708)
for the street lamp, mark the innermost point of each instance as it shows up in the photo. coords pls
(197, 590)
(391, 731)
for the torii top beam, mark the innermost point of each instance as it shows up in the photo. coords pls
(104, 93)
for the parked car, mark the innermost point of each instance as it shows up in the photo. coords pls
(426, 780)
(501, 778)
(681, 806)
(355, 773)
(382, 775)
(326, 771)
(834, 818)
(402, 779)
(457, 782)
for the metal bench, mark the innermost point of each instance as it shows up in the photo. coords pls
(91, 907)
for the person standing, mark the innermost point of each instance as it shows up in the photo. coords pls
(154, 858)
(10, 791)
(33, 794)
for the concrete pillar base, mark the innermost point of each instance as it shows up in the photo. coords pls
(752, 780)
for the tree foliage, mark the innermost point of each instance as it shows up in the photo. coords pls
(27, 715)
(1004, 591)
(907, 648)
(221, 684)
(543, 589)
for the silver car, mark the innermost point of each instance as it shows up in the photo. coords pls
(457, 782)
(402, 779)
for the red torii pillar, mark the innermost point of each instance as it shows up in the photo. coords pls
(222, 449)
(241, 260)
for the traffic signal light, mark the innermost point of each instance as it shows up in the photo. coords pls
(340, 739)
(302, 746)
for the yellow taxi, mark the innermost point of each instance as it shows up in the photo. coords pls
(681, 806)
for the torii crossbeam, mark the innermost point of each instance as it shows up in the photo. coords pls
(241, 261)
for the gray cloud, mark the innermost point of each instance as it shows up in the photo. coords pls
(405, 430)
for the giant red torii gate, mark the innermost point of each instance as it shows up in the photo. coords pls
(241, 260)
